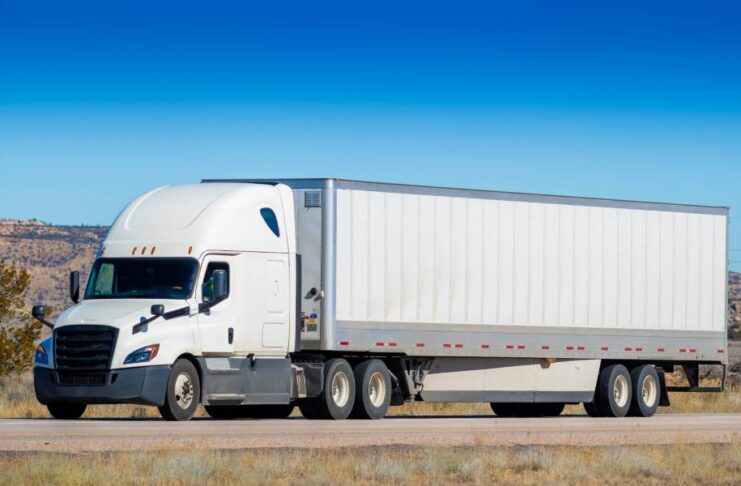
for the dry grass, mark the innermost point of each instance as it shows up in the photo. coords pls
(679, 464)
(17, 400)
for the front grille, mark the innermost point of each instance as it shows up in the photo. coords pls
(84, 347)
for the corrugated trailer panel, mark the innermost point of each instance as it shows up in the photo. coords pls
(469, 264)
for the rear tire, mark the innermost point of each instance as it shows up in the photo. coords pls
(646, 391)
(373, 393)
(338, 394)
(615, 391)
(506, 410)
(66, 411)
(183, 392)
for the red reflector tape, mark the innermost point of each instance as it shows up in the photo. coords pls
(693, 350)
(509, 346)
(545, 346)
(639, 349)
(484, 346)
(344, 343)
(604, 348)
(580, 348)
(379, 344)
(629, 349)
(458, 345)
(392, 344)
(682, 350)
(659, 350)
(721, 351)
(520, 346)
(446, 345)
(569, 348)
(420, 345)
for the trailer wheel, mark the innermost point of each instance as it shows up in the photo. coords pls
(373, 394)
(338, 395)
(183, 392)
(66, 411)
(646, 391)
(615, 391)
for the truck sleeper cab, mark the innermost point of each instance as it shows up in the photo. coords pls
(343, 298)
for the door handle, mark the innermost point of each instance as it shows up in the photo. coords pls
(231, 335)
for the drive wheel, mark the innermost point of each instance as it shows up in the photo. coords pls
(183, 392)
(373, 393)
(66, 411)
(338, 395)
(615, 391)
(646, 391)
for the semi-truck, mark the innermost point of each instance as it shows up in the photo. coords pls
(343, 298)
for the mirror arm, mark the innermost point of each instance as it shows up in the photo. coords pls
(44, 322)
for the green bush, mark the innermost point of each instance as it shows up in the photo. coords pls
(18, 333)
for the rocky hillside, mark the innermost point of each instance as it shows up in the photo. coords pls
(50, 252)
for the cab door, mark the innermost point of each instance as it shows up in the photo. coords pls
(216, 325)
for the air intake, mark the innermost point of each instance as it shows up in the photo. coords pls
(84, 347)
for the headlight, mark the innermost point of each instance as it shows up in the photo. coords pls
(41, 356)
(142, 355)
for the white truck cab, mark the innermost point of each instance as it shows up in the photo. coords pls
(150, 301)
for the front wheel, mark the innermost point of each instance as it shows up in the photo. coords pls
(66, 411)
(183, 392)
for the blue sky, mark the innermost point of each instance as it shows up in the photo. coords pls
(100, 101)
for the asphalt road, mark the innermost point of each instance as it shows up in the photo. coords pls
(151, 434)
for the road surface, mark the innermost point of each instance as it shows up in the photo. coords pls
(151, 434)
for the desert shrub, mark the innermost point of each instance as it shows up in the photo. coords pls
(18, 333)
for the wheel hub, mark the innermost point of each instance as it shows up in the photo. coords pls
(183, 390)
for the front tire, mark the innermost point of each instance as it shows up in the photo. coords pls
(646, 391)
(66, 411)
(615, 391)
(183, 392)
(338, 394)
(373, 394)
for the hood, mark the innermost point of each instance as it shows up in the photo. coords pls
(113, 312)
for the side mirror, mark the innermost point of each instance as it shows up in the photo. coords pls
(221, 285)
(74, 286)
(38, 311)
(157, 310)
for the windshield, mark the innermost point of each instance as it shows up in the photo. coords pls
(142, 278)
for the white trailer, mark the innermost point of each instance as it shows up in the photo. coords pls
(346, 297)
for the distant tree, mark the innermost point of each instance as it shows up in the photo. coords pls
(18, 333)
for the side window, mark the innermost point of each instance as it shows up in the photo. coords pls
(271, 220)
(207, 288)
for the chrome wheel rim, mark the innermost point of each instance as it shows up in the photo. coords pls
(377, 389)
(183, 390)
(340, 389)
(649, 391)
(621, 391)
